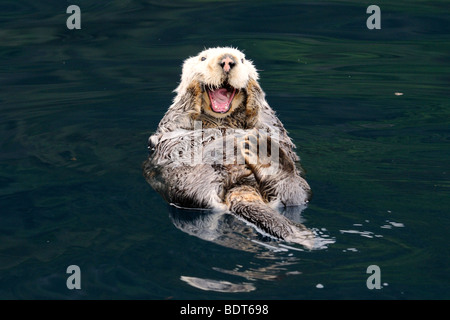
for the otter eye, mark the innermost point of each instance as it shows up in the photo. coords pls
(203, 58)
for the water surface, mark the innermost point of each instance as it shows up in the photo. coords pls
(368, 109)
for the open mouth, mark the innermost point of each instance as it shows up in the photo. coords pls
(221, 98)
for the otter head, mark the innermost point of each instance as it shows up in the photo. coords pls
(221, 80)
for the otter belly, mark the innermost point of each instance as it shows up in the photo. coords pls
(225, 173)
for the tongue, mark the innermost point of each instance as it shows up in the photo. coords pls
(220, 99)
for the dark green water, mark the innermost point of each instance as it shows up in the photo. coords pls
(368, 109)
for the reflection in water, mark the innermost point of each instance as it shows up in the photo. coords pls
(227, 230)
(219, 286)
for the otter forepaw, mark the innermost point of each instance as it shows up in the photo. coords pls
(249, 149)
(258, 151)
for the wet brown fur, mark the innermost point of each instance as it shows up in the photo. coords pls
(250, 190)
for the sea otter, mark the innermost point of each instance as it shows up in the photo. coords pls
(220, 146)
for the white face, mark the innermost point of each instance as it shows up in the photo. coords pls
(222, 72)
(210, 68)
(206, 68)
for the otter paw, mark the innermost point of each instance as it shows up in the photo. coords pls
(256, 149)
(249, 149)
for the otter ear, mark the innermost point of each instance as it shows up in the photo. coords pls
(255, 100)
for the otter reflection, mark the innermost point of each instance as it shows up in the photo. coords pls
(222, 228)
(230, 231)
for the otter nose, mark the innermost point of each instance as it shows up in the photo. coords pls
(227, 63)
